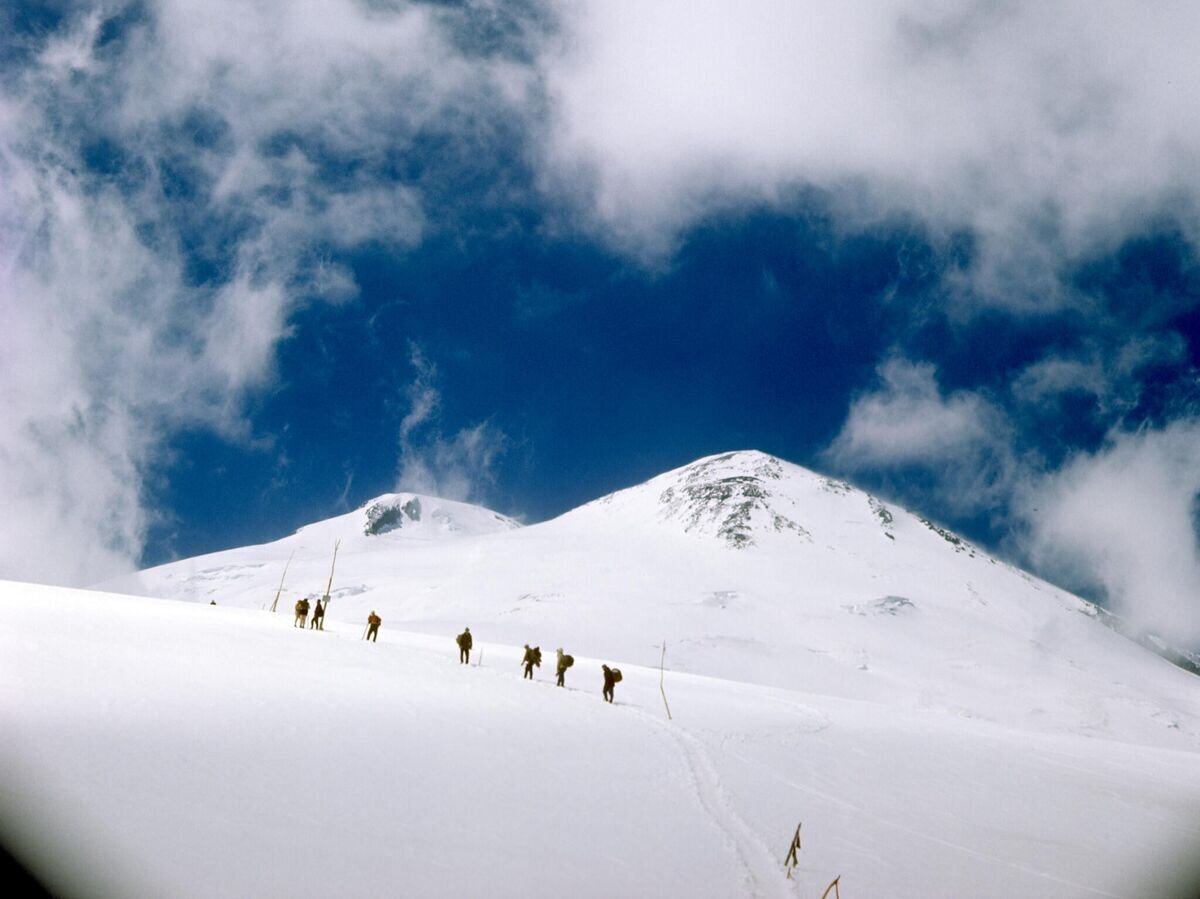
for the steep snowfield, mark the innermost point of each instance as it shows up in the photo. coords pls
(943, 724)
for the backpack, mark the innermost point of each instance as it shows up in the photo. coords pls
(568, 661)
(537, 656)
(616, 673)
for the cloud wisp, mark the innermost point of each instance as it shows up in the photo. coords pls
(459, 467)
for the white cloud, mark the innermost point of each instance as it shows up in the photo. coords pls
(71, 52)
(1048, 130)
(460, 467)
(1110, 374)
(1124, 518)
(961, 441)
(1050, 378)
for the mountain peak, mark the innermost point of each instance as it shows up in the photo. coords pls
(741, 498)
(729, 495)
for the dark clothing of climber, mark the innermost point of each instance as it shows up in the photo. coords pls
(532, 657)
(610, 683)
(560, 669)
(464, 642)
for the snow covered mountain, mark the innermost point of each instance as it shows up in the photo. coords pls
(751, 568)
(942, 723)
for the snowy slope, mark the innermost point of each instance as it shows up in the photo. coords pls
(168, 749)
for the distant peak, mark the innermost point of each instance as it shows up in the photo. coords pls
(389, 513)
(426, 514)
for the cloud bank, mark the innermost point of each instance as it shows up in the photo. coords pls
(1045, 132)
(1125, 518)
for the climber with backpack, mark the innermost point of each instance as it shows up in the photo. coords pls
(564, 662)
(612, 677)
(301, 612)
(532, 657)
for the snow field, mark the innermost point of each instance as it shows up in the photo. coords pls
(178, 749)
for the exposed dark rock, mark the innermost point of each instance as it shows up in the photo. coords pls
(884, 514)
(959, 544)
(887, 605)
(388, 516)
(729, 502)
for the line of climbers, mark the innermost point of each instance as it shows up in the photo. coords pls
(532, 658)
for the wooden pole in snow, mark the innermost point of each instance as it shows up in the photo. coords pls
(837, 893)
(792, 860)
(661, 663)
(280, 590)
(329, 586)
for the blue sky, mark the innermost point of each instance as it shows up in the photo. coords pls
(260, 262)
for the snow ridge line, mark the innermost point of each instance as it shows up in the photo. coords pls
(760, 874)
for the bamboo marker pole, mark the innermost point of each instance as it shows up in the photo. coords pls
(661, 663)
(837, 893)
(792, 860)
(329, 586)
(280, 590)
